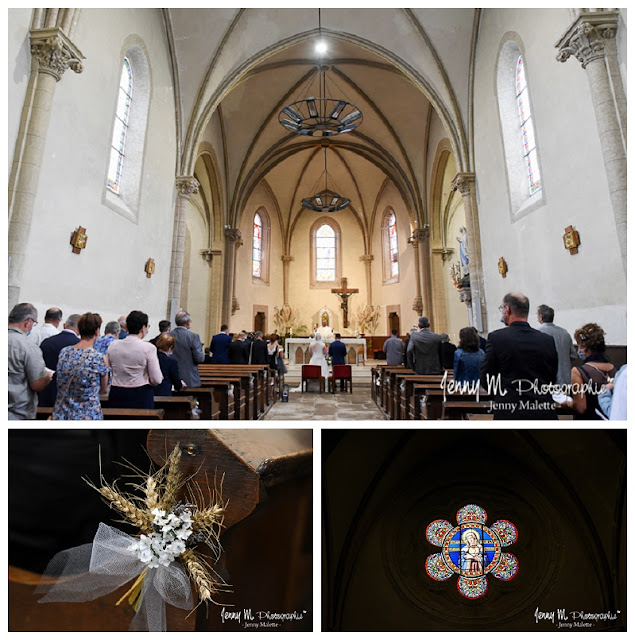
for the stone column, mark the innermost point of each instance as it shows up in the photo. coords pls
(420, 241)
(213, 256)
(233, 241)
(52, 54)
(465, 183)
(286, 259)
(367, 259)
(591, 39)
(186, 186)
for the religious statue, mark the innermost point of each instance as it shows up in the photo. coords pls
(344, 293)
(463, 251)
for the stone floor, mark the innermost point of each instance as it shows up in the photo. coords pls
(313, 405)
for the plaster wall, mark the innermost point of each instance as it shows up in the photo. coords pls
(403, 291)
(589, 286)
(252, 293)
(108, 276)
(309, 300)
(19, 59)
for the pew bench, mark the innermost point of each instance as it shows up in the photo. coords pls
(43, 413)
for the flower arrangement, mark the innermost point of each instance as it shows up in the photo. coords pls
(367, 317)
(164, 559)
(287, 321)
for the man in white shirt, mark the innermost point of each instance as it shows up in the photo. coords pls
(51, 326)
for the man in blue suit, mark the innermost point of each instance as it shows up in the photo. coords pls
(337, 351)
(219, 347)
(51, 348)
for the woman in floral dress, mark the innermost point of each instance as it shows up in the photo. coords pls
(82, 374)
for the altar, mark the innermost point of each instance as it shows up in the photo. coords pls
(292, 345)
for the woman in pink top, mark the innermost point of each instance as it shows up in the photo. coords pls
(135, 366)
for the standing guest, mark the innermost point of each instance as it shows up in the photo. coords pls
(469, 357)
(259, 353)
(169, 366)
(51, 348)
(337, 351)
(424, 349)
(562, 339)
(82, 374)
(219, 347)
(447, 351)
(238, 349)
(274, 351)
(111, 333)
(51, 326)
(165, 326)
(393, 348)
(135, 366)
(123, 333)
(594, 374)
(519, 353)
(613, 401)
(27, 371)
(188, 349)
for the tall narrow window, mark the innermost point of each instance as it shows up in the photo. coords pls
(390, 247)
(325, 254)
(120, 130)
(256, 252)
(527, 127)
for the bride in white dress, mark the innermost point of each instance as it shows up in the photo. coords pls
(318, 354)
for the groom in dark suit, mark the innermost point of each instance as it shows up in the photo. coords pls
(519, 361)
(337, 351)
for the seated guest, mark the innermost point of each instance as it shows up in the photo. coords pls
(165, 326)
(82, 374)
(447, 351)
(111, 333)
(169, 366)
(135, 366)
(51, 348)
(594, 374)
(238, 350)
(468, 357)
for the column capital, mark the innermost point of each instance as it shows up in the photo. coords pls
(209, 254)
(464, 183)
(287, 258)
(54, 52)
(585, 38)
(419, 234)
(187, 186)
(367, 258)
(417, 305)
(235, 236)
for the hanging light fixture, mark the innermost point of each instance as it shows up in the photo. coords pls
(327, 200)
(322, 116)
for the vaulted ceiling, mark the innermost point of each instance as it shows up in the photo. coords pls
(392, 143)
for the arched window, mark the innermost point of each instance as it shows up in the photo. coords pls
(260, 248)
(518, 127)
(390, 248)
(120, 131)
(325, 253)
(527, 127)
(127, 138)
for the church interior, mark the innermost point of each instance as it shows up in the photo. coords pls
(151, 167)
(563, 490)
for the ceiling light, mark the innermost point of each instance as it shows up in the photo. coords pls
(327, 200)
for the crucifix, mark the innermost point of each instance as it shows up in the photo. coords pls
(344, 292)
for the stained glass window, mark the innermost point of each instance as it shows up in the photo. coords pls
(325, 253)
(120, 130)
(471, 550)
(256, 252)
(527, 128)
(393, 248)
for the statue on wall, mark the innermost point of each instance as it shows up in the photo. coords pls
(463, 252)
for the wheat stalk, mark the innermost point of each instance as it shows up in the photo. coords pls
(172, 479)
(152, 495)
(136, 516)
(199, 574)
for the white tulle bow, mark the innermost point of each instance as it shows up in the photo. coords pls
(93, 570)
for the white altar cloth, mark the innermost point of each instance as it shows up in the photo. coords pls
(304, 343)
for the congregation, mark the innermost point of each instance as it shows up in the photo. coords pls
(69, 367)
(528, 372)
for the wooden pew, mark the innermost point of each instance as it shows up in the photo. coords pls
(210, 400)
(43, 413)
(460, 409)
(404, 383)
(232, 386)
(176, 407)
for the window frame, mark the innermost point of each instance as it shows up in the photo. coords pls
(263, 279)
(314, 282)
(388, 276)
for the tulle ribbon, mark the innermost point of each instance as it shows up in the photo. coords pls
(93, 570)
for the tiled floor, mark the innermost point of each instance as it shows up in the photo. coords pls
(313, 405)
